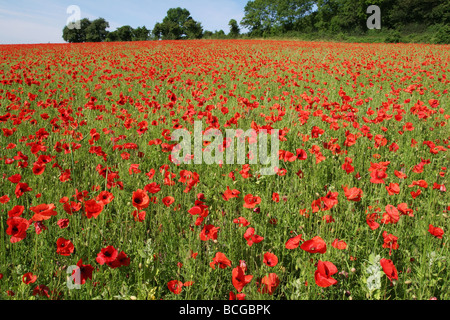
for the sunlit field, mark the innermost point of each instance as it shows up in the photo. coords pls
(92, 207)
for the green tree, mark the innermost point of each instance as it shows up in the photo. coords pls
(141, 34)
(207, 34)
(219, 34)
(234, 29)
(192, 29)
(96, 31)
(177, 24)
(266, 17)
(76, 35)
(125, 33)
(112, 36)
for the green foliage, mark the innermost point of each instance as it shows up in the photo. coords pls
(264, 17)
(234, 29)
(75, 35)
(125, 33)
(140, 34)
(394, 36)
(218, 35)
(96, 31)
(344, 19)
(442, 35)
(178, 24)
(89, 31)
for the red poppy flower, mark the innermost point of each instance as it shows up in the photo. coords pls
(347, 166)
(315, 245)
(21, 188)
(63, 223)
(416, 194)
(294, 242)
(38, 169)
(378, 176)
(329, 201)
(270, 259)
(370, 219)
(175, 286)
(121, 260)
(15, 178)
(239, 279)
(400, 175)
(221, 260)
(339, 244)
(188, 283)
(72, 207)
(251, 201)
(64, 247)
(105, 197)
(82, 272)
(239, 296)
(152, 188)
(389, 269)
(328, 218)
(134, 168)
(420, 183)
(139, 216)
(391, 215)
(150, 174)
(251, 237)
(322, 275)
(168, 201)
(209, 232)
(41, 290)
(275, 197)
(404, 210)
(39, 227)
(440, 187)
(93, 208)
(140, 199)
(390, 241)
(435, 231)
(352, 194)
(107, 255)
(242, 221)
(43, 212)
(16, 211)
(393, 188)
(4, 199)
(28, 278)
(269, 283)
(17, 228)
(228, 194)
(301, 154)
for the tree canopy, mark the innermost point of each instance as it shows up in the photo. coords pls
(95, 31)
(275, 17)
(178, 24)
(281, 17)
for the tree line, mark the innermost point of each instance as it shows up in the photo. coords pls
(276, 17)
(272, 18)
(177, 24)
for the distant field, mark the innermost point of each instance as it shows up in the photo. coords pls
(357, 207)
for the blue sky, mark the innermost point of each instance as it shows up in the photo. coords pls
(27, 21)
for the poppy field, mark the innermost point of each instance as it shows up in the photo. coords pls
(92, 205)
